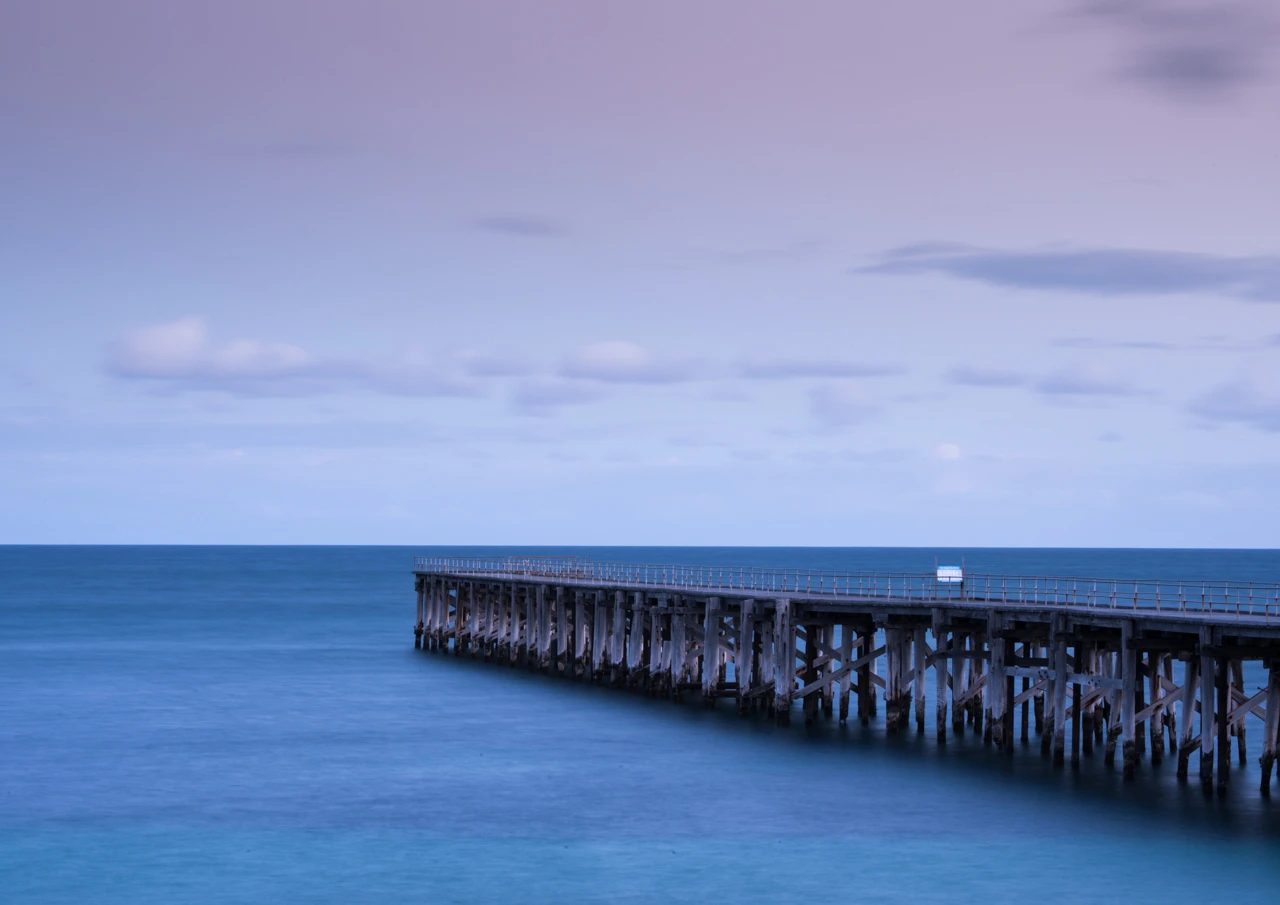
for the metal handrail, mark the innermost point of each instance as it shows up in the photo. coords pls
(1228, 597)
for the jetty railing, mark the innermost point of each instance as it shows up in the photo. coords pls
(1226, 597)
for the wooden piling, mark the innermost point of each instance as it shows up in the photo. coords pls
(1128, 698)
(1270, 726)
(1207, 698)
(940, 663)
(846, 654)
(784, 665)
(1059, 643)
(1223, 723)
(917, 680)
(1187, 708)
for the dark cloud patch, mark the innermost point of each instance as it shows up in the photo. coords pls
(789, 369)
(1195, 50)
(523, 225)
(1093, 271)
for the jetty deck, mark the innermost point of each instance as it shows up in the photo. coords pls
(1118, 663)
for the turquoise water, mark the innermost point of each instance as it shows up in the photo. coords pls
(217, 724)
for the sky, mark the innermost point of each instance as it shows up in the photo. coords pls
(708, 272)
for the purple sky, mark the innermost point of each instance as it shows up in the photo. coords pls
(738, 272)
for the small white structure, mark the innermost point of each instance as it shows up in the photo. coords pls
(950, 574)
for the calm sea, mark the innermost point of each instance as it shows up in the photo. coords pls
(222, 724)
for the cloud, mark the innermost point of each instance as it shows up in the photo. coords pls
(179, 357)
(1092, 271)
(1087, 380)
(525, 225)
(787, 369)
(624, 362)
(841, 404)
(946, 452)
(1190, 50)
(540, 396)
(985, 377)
(1241, 401)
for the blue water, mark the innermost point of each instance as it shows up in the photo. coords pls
(219, 724)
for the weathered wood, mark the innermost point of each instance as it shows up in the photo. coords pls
(1187, 707)
(1206, 714)
(784, 664)
(1128, 699)
(1270, 727)
(846, 654)
(940, 676)
(917, 680)
(1059, 642)
(710, 651)
(825, 681)
(1223, 723)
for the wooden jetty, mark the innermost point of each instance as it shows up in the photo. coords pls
(1114, 664)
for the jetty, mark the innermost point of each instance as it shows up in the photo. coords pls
(1115, 664)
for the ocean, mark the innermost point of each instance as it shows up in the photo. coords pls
(245, 724)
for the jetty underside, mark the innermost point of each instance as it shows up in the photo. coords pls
(1147, 682)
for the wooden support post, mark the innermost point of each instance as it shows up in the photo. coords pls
(420, 589)
(635, 642)
(1077, 694)
(1187, 705)
(866, 691)
(958, 666)
(1140, 704)
(917, 680)
(1090, 710)
(826, 634)
(892, 647)
(1270, 726)
(995, 715)
(679, 652)
(1155, 660)
(654, 676)
(473, 619)
(1170, 715)
(846, 655)
(1128, 697)
(1007, 705)
(1025, 731)
(810, 672)
(1207, 699)
(742, 660)
(940, 677)
(710, 651)
(1237, 676)
(784, 663)
(578, 668)
(457, 620)
(1059, 693)
(1222, 723)
(544, 629)
(618, 645)
(1110, 666)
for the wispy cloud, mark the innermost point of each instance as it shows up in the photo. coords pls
(841, 404)
(1091, 271)
(792, 368)
(1085, 380)
(986, 377)
(178, 356)
(541, 396)
(625, 362)
(1190, 50)
(1241, 401)
(524, 225)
